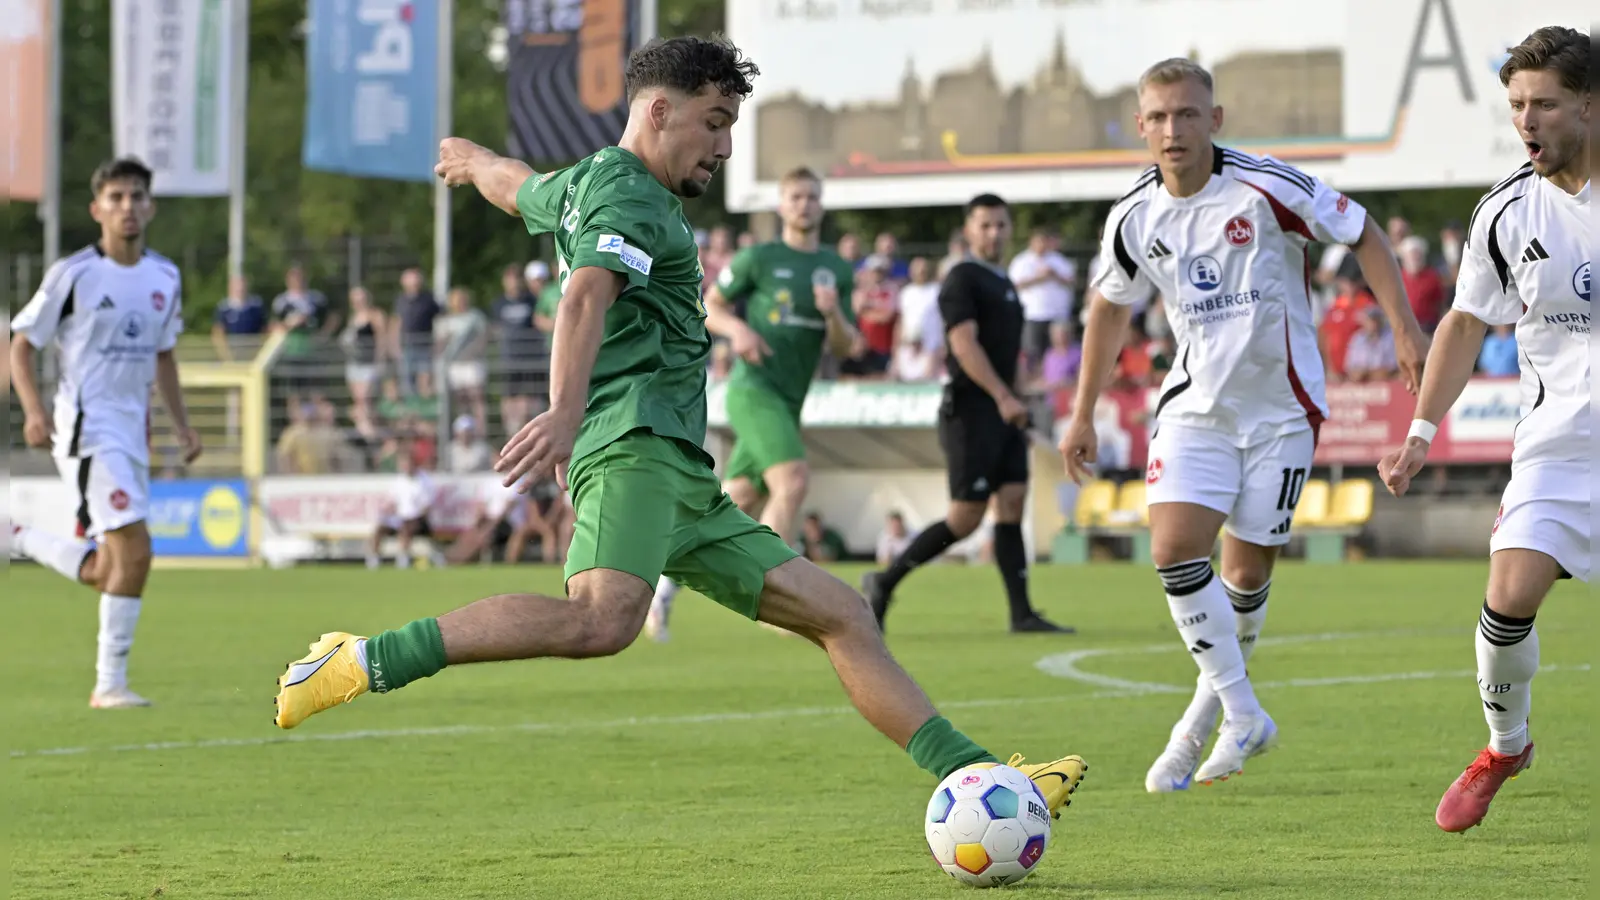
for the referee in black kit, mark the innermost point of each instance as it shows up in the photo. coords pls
(982, 423)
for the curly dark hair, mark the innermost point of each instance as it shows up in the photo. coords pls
(117, 170)
(688, 64)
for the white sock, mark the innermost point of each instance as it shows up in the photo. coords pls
(1508, 657)
(666, 589)
(1200, 609)
(1249, 614)
(63, 554)
(118, 617)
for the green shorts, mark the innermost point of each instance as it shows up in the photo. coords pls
(766, 431)
(649, 506)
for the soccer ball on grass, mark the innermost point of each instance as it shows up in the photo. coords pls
(987, 825)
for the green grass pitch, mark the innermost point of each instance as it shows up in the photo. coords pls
(725, 763)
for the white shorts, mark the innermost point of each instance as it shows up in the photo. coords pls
(1258, 487)
(1546, 507)
(466, 375)
(113, 490)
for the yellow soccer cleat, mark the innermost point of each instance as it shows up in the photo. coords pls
(1055, 780)
(329, 675)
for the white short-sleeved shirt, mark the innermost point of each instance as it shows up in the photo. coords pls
(1230, 265)
(110, 321)
(1527, 261)
(1049, 300)
(413, 495)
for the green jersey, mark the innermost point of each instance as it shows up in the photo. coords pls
(609, 211)
(776, 281)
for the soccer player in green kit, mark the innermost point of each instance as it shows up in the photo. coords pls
(624, 430)
(797, 299)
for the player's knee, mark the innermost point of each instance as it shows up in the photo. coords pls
(1245, 575)
(743, 494)
(1518, 598)
(1164, 553)
(788, 482)
(964, 518)
(607, 624)
(1010, 502)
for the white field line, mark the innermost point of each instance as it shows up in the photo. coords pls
(1059, 665)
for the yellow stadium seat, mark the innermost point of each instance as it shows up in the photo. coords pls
(1095, 500)
(1131, 499)
(1351, 506)
(1312, 510)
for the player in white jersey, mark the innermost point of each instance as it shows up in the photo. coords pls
(114, 312)
(1222, 236)
(1527, 261)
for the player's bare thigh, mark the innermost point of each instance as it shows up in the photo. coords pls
(791, 478)
(1519, 580)
(743, 493)
(1180, 532)
(801, 597)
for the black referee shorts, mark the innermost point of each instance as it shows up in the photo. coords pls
(981, 451)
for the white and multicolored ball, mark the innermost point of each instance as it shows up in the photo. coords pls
(987, 825)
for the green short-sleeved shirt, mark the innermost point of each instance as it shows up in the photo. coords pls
(609, 211)
(776, 280)
(547, 301)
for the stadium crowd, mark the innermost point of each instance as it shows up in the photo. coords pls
(488, 360)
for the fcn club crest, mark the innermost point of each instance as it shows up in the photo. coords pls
(1239, 231)
(158, 300)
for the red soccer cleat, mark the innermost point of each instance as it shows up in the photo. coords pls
(1467, 801)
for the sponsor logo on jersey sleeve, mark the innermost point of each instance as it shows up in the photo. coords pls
(1239, 231)
(119, 499)
(1154, 471)
(632, 256)
(158, 300)
(1342, 205)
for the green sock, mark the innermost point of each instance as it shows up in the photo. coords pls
(397, 658)
(941, 749)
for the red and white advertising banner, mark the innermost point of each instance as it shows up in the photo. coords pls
(352, 505)
(1366, 421)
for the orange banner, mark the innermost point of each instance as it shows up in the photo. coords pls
(24, 81)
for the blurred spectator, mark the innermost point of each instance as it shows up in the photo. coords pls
(820, 543)
(746, 241)
(893, 540)
(1398, 230)
(1059, 367)
(546, 293)
(299, 313)
(462, 338)
(240, 320)
(717, 253)
(498, 514)
(874, 304)
(411, 337)
(721, 361)
(1370, 355)
(1045, 282)
(1163, 356)
(406, 515)
(1424, 287)
(311, 443)
(521, 345)
(1133, 363)
(469, 452)
(849, 248)
(913, 363)
(363, 368)
(1498, 358)
(955, 251)
(1451, 238)
(888, 246)
(1326, 279)
(1343, 319)
(919, 308)
(396, 407)
(549, 517)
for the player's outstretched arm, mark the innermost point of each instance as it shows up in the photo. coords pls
(171, 390)
(1103, 337)
(1382, 272)
(545, 444)
(1456, 344)
(496, 177)
(36, 427)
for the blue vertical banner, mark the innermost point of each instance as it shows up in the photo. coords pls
(371, 82)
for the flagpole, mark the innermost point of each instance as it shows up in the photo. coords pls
(237, 130)
(238, 97)
(50, 195)
(443, 87)
(647, 23)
